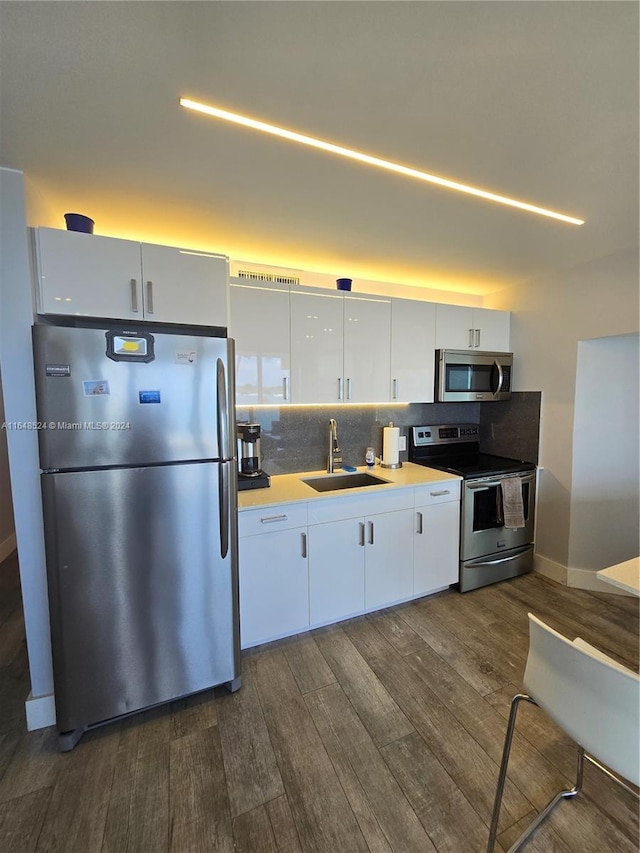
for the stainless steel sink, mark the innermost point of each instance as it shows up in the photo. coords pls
(338, 482)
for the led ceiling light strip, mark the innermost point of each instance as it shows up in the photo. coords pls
(245, 121)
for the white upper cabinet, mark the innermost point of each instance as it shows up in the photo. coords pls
(461, 327)
(259, 323)
(339, 348)
(184, 286)
(493, 329)
(367, 342)
(89, 275)
(316, 347)
(413, 332)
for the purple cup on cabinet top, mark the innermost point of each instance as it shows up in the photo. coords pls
(344, 283)
(78, 222)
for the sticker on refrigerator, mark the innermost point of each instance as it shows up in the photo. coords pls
(186, 356)
(57, 369)
(95, 387)
(149, 396)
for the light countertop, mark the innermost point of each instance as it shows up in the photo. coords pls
(625, 575)
(289, 488)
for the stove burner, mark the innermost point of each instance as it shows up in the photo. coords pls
(455, 448)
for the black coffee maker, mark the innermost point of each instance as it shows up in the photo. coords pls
(250, 475)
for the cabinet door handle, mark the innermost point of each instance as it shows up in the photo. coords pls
(339, 387)
(371, 533)
(134, 295)
(395, 389)
(304, 546)
(440, 493)
(348, 388)
(471, 331)
(270, 519)
(149, 297)
(285, 388)
(477, 337)
(361, 526)
(419, 530)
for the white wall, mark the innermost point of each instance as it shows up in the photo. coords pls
(16, 358)
(605, 491)
(7, 532)
(551, 316)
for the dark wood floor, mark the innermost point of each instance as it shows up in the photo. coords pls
(383, 733)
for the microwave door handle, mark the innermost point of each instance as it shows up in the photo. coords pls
(500, 377)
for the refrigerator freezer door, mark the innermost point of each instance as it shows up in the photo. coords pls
(98, 411)
(144, 608)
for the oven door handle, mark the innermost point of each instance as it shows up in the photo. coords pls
(479, 564)
(528, 478)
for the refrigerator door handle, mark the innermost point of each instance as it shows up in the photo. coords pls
(222, 412)
(223, 504)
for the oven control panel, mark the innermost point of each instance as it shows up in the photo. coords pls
(444, 434)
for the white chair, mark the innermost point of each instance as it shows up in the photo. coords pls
(594, 699)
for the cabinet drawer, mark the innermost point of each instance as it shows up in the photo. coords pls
(356, 506)
(437, 493)
(283, 517)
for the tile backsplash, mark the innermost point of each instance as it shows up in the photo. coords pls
(296, 439)
(512, 428)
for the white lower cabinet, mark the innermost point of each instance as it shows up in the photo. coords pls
(436, 537)
(359, 564)
(315, 563)
(336, 570)
(360, 553)
(274, 574)
(388, 558)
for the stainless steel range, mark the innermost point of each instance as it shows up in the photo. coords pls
(497, 506)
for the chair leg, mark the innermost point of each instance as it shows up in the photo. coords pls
(502, 777)
(562, 795)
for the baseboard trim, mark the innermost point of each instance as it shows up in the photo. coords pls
(41, 711)
(587, 579)
(8, 546)
(550, 569)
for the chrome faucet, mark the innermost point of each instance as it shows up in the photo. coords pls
(335, 454)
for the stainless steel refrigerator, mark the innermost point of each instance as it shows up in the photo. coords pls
(137, 445)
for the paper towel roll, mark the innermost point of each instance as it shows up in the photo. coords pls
(390, 445)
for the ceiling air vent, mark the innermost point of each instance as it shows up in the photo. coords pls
(273, 278)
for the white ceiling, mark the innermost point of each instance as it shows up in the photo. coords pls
(535, 100)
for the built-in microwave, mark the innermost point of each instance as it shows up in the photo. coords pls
(471, 376)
